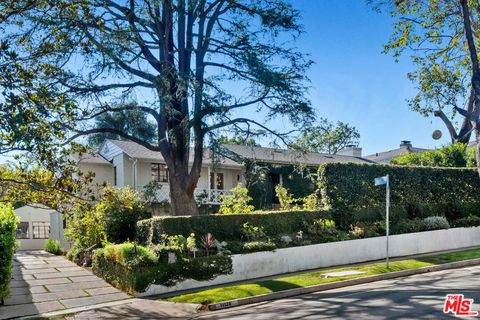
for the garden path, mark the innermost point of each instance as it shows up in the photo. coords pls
(43, 282)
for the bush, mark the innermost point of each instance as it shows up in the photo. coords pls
(454, 155)
(121, 208)
(52, 246)
(435, 223)
(113, 219)
(406, 226)
(8, 227)
(227, 227)
(120, 266)
(236, 202)
(255, 246)
(470, 221)
(347, 187)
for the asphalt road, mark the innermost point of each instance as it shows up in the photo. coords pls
(415, 297)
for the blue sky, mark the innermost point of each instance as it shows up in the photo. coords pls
(353, 81)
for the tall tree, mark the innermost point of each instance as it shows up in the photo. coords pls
(441, 34)
(432, 34)
(131, 121)
(203, 66)
(327, 137)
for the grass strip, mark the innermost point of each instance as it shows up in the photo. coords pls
(312, 278)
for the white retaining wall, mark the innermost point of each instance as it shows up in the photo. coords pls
(264, 264)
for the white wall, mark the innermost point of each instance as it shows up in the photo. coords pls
(33, 214)
(103, 172)
(264, 264)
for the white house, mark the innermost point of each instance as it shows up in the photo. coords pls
(125, 163)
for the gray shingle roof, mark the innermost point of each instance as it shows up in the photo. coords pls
(91, 159)
(387, 155)
(286, 156)
(138, 151)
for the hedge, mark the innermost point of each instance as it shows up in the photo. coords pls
(228, 226)
(344, 187)
(135, 274)
(8, 227)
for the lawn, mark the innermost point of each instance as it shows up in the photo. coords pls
(312, 278)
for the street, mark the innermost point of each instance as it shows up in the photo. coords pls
(414, 297)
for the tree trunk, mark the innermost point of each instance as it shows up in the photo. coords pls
(182, 200)
(477, 149)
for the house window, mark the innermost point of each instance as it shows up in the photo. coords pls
(159, 172)
(216, 181)
(22, 230)
(114, 176)
(41, 230)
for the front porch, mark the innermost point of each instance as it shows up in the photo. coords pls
(202, 195)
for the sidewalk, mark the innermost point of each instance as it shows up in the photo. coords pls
(43, 283)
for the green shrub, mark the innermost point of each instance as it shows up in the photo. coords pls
(53, 246)
(113, 219)
(453, 155)
(75, 254)
(467, 222)
(226, 227)
(255, 246)
(406, 226)
(253, 233)
(348, 187)
(122, 209)
(8, 227)
(236, 202)
(435, 223)
(119, 266)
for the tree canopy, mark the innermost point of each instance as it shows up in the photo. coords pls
(454, 155)
(131, 121)
(327, 137)
(199, 66)
(432, 34)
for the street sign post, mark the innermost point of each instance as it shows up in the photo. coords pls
(385, 180)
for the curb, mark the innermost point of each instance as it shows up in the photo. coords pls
(339, 284)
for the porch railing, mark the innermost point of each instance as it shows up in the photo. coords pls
(213, 196)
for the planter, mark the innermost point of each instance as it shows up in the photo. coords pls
(280, 261)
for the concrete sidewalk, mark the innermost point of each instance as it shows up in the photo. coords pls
(43, 283)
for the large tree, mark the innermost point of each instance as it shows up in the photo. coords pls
(200, 65)
(131, 121)
(432, 34)
(441, 34)
(327, 137)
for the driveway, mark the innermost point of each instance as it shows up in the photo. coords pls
(43, 282)
(415, 297)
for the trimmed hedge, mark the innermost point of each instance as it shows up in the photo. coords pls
(8, 227)
(227, 227)
(120, 267)
(344, 187)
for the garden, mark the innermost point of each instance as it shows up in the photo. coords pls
(132, 250)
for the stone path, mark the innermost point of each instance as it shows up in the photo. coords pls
(43, 282)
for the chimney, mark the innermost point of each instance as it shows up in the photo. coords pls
(405, 144)
(350, 150)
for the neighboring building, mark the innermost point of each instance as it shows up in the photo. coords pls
(387, 156)
(37, 224)
(125, 163)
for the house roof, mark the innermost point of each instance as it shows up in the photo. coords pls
(88, 158)
(390, 154)
(137, 151)
(287, 156)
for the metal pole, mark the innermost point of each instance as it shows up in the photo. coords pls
(388, 214)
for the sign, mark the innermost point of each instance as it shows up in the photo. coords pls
(381, 181)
